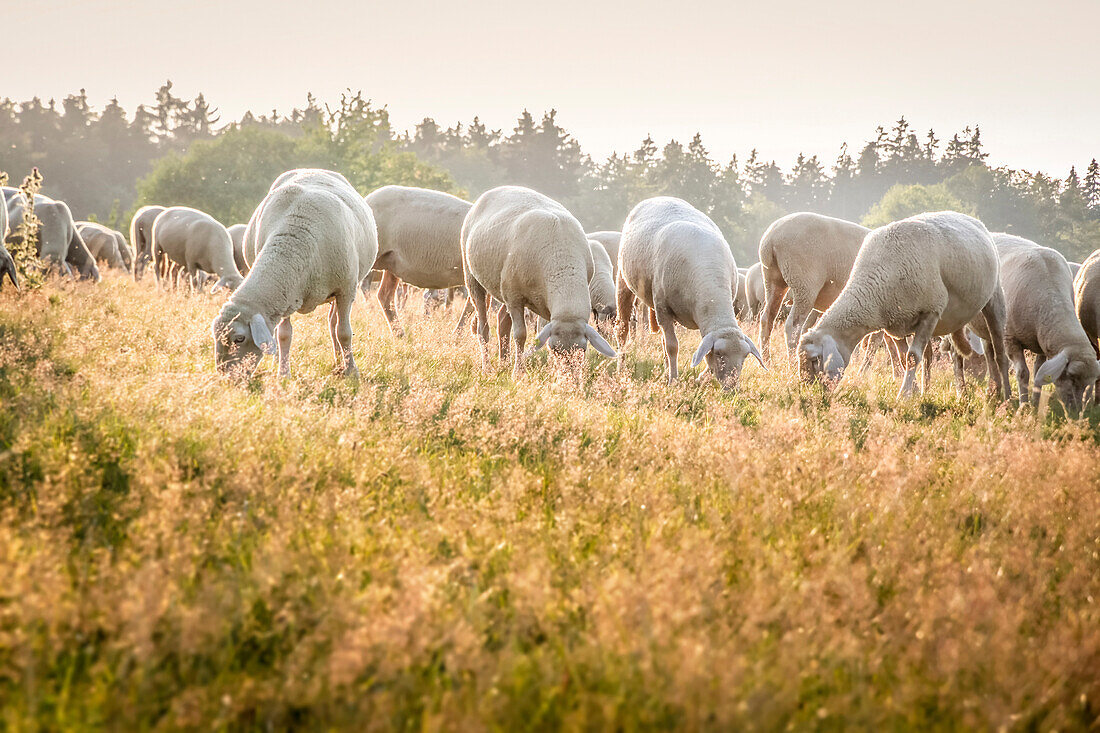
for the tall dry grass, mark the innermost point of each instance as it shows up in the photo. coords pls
(439, 548)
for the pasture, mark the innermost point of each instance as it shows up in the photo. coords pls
(441, 548)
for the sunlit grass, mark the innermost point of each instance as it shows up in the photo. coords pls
(437, 547)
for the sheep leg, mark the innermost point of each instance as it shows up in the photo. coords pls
(478, 296)
(995, 314)
(672, 345)
(386, 290)
(284, 331)
(340, 322)
(504, 330)
(467, 309)
(775, 290)
(1040, 359)
(624, 301)
(926, 376)
(960, 374)
(1019, 367)
(796, 320)
(922, 334)
(895, 347)
(519, 335)
(652, 314)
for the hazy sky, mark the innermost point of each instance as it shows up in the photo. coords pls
(784, 76)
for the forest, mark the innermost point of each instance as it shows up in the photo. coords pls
(107, 162)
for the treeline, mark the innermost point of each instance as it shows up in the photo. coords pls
(179, 151)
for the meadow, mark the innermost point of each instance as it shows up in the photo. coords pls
(438, 548)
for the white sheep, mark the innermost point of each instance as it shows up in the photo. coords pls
(812, 256)
(195, 241)
(754, 290)
(1086, 298)
(1074, 268)
(675, 260)
(105, 244)
(312, 240)
(419, 232)
(928, 275)
(59, 242)
(525, 249)
(1038, 292)
(141, 237)
(236, 235)
(601, 287)
(7, 264)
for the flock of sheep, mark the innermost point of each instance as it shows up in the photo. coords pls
(314, 239)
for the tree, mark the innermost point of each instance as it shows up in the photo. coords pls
(902, 201)
(1090, 189)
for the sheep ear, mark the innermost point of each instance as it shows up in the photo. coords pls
(544, 334)
(833, 360)
(261, 334)
(598, 343)
(975, 342)
(1052, 369)
(754, 351)
(704, 349)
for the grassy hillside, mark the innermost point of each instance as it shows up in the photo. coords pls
(439, 548)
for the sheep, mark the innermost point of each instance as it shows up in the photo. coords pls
(418, 241)
(812, 256)
(104, 244)
(927, 275)
(754, 290)
(740, 297)
(1038, 292)
(312, 240)
(675, 260)
(527, 250)
(59, 242)
(7, 264)
(601, 288)
(1074, 268)
(195, 241)
(236, 234)
(1086, 298)
(141, 237)
(610, 242)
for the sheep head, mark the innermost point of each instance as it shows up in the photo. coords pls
(1072, 374)
(569, 336)
(725, 351)
(819, 357)
(240, 342)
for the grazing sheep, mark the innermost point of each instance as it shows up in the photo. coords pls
(610, 242)
(527, 250)
(754, 290)
(740, 297)
(675, 260)
(236, 234)
(312, 240)
(195, 241)
(7, 264)
(927, 275)
(419, 232)
(104, 245)
(59, 242)
(602, 285)
(1038, 292)
(1086, 298)
(141, 237)
(812, 256)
